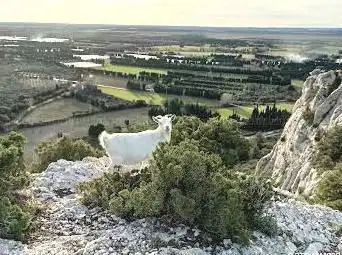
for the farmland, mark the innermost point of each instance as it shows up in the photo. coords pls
(298, 84)
(157, 99)
(78, 127)
(151, 97)
(58, 109)
(131, 69)
(246, 110)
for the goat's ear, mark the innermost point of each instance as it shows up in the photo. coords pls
(155, 119)
(173, 116)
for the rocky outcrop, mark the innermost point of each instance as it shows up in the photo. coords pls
(67, 227)
(318, 109)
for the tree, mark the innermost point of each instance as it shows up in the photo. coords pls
(95, 131)
(155, 110)
(127, 123)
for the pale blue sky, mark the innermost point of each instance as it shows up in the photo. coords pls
(259, 13)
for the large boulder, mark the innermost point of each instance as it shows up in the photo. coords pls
(316, 111)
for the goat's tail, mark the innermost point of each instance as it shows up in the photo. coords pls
(103, 138)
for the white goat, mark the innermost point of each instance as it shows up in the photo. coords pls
(131, 148)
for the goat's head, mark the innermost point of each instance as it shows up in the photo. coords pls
(165, 122)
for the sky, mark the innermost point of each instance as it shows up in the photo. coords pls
(221, 13)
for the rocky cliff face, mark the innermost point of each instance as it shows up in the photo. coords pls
(67, 227)
(318, 109)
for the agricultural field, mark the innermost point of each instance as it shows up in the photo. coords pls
(298, 84)
(246, 110)
(78, 127)
(58, 109)
(158, 99)
(152, 98)
(108, 81)
(186, 50)
(132, 69)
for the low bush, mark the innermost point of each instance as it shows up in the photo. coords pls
(328, 162)
(329, 151)
(329, 191)
(219, 136)
(15, 217)
(63, 148)
(191, 184)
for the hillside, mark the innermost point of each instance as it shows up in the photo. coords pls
(315, 114)
(67, 227)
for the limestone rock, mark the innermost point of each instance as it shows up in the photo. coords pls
(68, 227)
(289, 163)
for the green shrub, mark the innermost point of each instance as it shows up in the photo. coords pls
(95, 130)
(329, 191)
(188, 184)
(219, 136)
(14, 222)
(329, 151)
(267, 225)
(63, 148)
(328, 161)
(15, 218)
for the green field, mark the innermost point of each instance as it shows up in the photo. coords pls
(298, 84)
(158, 99)
(58, 109)
(246, 111)
(132, 69)
(152, 98)
(243, 111)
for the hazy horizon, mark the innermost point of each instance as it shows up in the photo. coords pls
(215, 13)
(176, 26)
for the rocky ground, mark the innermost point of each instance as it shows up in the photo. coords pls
(68, 227)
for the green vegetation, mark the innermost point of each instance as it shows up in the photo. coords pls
(298, 84)
(191, 181)
(159, 99)
(58, 109)
(15, 215)
(270, 118)
(329, 190)
(132, 69)
(328, 161)
(131, 95)
(150, 97)
(245, 111)
(177, 107)
(63, 148)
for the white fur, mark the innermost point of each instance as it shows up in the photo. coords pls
(130, 148)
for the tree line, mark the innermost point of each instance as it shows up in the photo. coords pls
(178, 107)
(270, 118)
